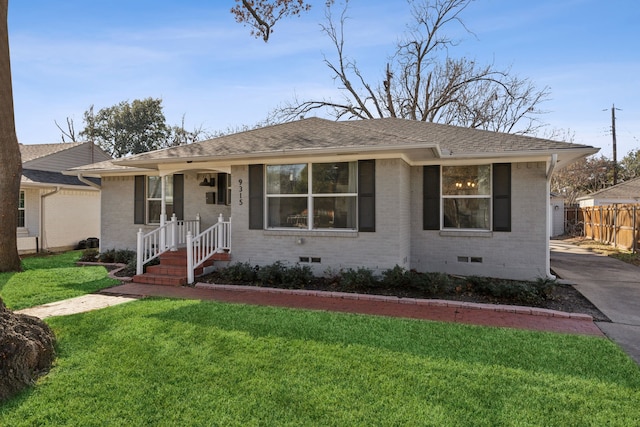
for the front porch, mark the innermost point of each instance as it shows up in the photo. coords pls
(173, 268)
(183, 251)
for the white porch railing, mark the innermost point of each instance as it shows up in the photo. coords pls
(164, 238)
(203, 245)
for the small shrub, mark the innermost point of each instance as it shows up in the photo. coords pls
(433, 283)
(237, 273)
(107, 256)
(272, 275)
(397, 277)
(362, 278)
(124, 256)
(89, 255)
(297, 277)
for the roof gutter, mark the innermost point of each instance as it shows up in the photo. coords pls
(43, 234)
(552, 165)
(89, 183)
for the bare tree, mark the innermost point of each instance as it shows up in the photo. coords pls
(422, 82)
(10, 159)
(583, 177)
(262, 15)
(68, 135)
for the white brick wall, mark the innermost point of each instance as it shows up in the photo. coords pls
(519, 254)
(385, 248)
(118, 230)
(399, 238)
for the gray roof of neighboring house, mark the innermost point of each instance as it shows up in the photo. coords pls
(625, 190)
(30, 152)
(423, 140)
(32, 176)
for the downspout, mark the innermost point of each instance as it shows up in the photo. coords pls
(550, 169)
(84, 180)
(42, 211)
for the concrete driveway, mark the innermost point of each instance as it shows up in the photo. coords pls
(611, 285)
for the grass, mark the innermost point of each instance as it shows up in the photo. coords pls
(51, 278)
(176, 362)
(607, 249)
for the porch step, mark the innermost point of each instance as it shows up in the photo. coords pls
(172, 270)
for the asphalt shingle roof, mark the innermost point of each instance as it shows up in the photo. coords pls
(624, 190)
(34, 176)
(30, 152)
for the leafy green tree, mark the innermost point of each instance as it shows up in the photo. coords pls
(127, 128)
(629, 167)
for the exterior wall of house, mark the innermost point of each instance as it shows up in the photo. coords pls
(588, 203)
(68, 217)
(388, 246)
(118, 229)
(520, 254)
(27, 235)
(556, 227)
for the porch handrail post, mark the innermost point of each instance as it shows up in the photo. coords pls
(139, 252)
(198, 223)
(190, 275)
(163, 232)
(220, 233)
(174, 232)
(229, 233)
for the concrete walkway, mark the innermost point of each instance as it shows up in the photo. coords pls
(611, 285)
(80, 304)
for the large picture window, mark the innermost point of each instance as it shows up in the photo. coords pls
(466, 197)
(21, 217)
(154, 198)
(312, 195)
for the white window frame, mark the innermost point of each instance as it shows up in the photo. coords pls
(22, 199)
(310, 196)
(168, 189)
(462, 184)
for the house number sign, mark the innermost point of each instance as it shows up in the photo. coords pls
(240, 201)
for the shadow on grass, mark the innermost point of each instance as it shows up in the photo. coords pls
(557, 354)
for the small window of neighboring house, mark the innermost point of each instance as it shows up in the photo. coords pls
(21, 216)
(154, 198)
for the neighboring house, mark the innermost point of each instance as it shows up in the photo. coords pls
(556, 211)
(627, 192)
(56, 211)
(331, 195)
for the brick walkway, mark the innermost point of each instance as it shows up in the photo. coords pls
(447, 311)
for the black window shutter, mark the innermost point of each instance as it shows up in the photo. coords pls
(502, 197)
(222, 188)
(367, 195)
(431, 197)
(138, 199)
(256, 197)
(178, 196)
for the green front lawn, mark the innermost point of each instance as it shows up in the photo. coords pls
(179, 362)
(51, 278)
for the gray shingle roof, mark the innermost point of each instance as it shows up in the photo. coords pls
(30, 152)
(32, 176)
(421, 141)
(625, 190)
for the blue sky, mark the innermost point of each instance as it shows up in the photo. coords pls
(70, 54)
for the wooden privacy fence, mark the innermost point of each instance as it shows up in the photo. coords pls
(617, 225)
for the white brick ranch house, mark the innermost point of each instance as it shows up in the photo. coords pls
(373, 193)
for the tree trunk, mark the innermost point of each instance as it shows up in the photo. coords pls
(10, 160)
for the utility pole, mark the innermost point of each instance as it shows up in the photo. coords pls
(615, 150)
